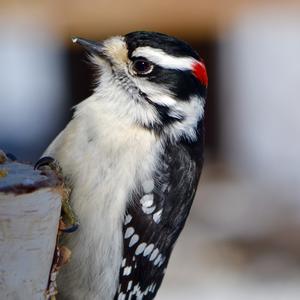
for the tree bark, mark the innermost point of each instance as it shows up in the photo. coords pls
(30, 206)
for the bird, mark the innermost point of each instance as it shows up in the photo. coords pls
(132, 155)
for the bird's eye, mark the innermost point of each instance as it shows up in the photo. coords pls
(142, 67)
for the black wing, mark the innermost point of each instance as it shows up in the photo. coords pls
(155, 218)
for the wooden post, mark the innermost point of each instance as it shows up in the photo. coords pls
(30, 205)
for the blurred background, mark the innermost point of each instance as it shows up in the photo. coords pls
(242, 240)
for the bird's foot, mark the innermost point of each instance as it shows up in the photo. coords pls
(48, 162)
(69, 221)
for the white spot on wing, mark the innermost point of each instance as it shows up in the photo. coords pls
(156, 262)
(121, 296)
(148, 186)
(157, 216)
(146, 291)
(154, 254)
(127, 271)
(124, 262)
(148, 210)
(141, 247)
(148, 249)
(129, 285)
(133, 240)
(128, 218)
(161, 261)
(151, 287)
(129, 232)
(147, 200)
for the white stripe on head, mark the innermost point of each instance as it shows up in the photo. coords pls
(161, 58)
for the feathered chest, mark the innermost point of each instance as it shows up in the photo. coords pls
(115, 159)
(110, 162)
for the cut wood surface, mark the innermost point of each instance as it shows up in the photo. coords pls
(30, 205)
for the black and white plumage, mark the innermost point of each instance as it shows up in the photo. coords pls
(155, 218)
(133, 156)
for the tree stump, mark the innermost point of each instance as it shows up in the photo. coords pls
(30, 207)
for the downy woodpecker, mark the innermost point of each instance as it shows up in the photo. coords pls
(132, 155)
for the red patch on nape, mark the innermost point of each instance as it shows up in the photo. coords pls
(200, 73)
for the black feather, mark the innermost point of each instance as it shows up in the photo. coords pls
(175, 183)
(168, 44)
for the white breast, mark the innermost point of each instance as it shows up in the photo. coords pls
(104, 157)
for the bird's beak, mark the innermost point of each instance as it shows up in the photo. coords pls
(91, 46)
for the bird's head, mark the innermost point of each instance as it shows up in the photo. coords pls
(155, 80)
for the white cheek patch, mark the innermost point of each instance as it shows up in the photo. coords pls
(164, 60)
(156, 93)
(192, 111)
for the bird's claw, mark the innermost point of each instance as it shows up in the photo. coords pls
(69, 229)
(68, 214)
(67, 211)
(47, 161)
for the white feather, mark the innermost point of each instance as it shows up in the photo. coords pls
(193, 111)
(161, 58)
